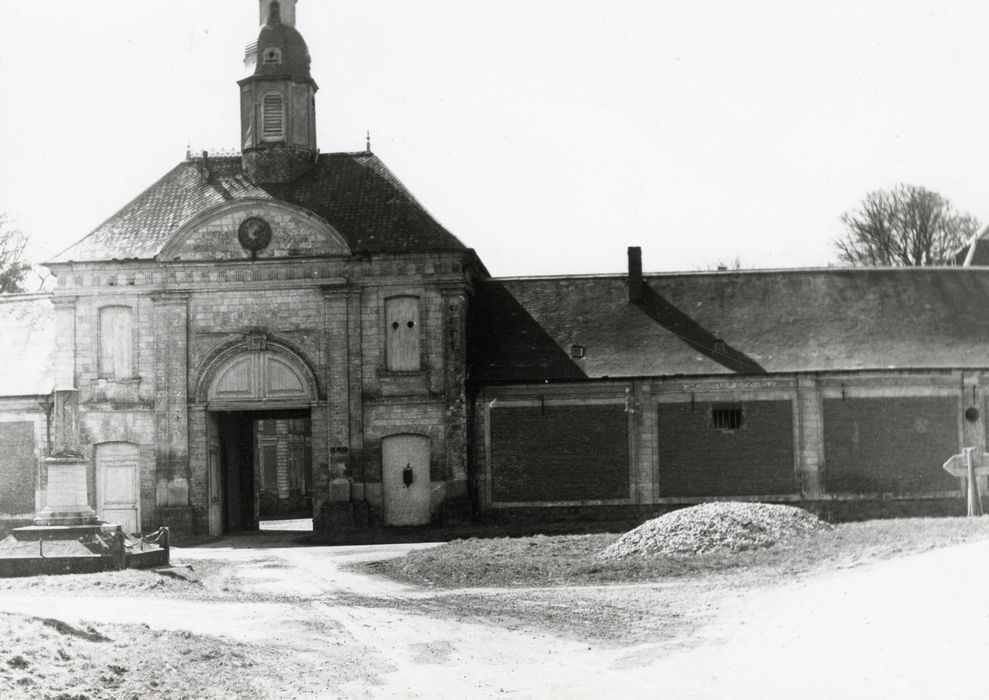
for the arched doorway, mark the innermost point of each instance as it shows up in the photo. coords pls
(258, 398)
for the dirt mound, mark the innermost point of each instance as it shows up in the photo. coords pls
(715, 527)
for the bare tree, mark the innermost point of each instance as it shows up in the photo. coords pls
(13, 266)
(723, 265)
(907, 225)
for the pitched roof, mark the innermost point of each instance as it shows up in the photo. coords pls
(354, 192)
(978, 247)
(27, 344)
(716, 323)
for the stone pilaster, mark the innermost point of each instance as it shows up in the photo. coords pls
(65, 342)
(355, 380)
(810, 438)
(336, 426)
(171, 329)
(455, 356)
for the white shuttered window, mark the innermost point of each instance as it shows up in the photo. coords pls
(116, 342)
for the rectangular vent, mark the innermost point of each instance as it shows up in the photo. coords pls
(726, 417)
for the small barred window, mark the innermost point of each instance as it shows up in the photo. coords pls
(273, 117)
(726, 417)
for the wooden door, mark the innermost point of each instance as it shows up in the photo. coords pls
(118, 487)
(405, 476)
(215, 477)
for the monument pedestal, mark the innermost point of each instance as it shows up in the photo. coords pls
(66, 502)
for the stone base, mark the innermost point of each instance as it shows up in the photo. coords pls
(36, 550)
(66, 501)
(33, 533)
(76, 517)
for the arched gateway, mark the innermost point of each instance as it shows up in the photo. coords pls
(258, 395)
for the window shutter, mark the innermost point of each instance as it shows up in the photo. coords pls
(116, 341)
(272, 117)
(402, 333)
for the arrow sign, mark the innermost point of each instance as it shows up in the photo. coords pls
(969, 465)
(958, 465)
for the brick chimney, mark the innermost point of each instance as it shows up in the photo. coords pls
(636, 285)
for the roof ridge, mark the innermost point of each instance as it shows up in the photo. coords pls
(897, 269)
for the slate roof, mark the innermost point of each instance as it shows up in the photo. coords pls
(355, 192)
(786, 321)
(27, 344)
(981, 254)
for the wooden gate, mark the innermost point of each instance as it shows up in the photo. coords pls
(215, 477)
(118, 485)
(405, 477)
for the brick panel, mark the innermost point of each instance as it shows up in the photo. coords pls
(17, 468)
(890, 444)
(695, 459)
(559, 453)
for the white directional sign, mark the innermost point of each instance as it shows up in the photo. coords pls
(970, 465)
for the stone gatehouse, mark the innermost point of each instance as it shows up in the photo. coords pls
(287, 331)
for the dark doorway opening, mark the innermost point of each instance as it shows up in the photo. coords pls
(265, 468)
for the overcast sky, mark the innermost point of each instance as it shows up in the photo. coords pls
(547, 134)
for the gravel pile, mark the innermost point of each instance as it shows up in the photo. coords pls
(715, 527)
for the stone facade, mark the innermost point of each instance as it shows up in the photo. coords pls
(328, 313)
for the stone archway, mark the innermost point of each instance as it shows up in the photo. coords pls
(245, 389)
(248, 377)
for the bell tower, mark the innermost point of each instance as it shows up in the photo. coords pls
(277, 100)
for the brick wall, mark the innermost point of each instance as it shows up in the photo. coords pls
(697, 459)
(559, 453)
(892, 444)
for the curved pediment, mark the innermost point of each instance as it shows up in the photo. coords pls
(295, 232)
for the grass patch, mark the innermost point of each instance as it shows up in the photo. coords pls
(573, 559)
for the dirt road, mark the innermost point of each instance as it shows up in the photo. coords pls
(914, 627)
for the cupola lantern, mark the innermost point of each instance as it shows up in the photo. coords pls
(277, 101)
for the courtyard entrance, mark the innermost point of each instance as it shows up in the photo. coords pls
(259, 398)
(260, 468)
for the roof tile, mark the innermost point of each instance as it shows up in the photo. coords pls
(355, 193)
(782, 321)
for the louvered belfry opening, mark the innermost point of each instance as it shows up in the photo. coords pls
(277, 100)
(273, 117)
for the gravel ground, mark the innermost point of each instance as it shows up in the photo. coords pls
(235, 621)
(713, 527)
(43, 658)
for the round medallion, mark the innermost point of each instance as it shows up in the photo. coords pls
(254, 234)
